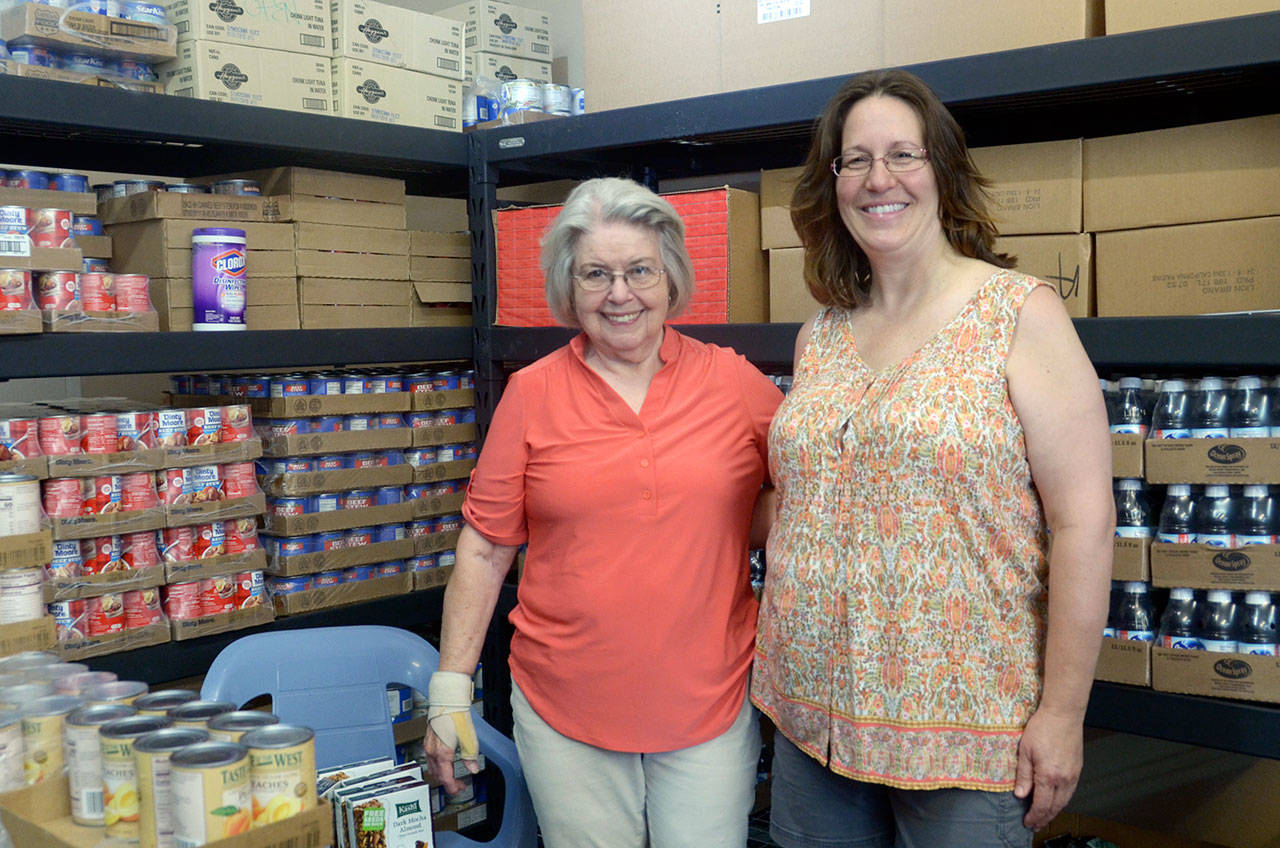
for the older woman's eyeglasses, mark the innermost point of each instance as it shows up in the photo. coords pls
(637, 277)
(898, 161)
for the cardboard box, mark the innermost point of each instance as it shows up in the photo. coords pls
(45, 259)
(21, 322)
(1240, 676)
(1180, 176)
(1204, 567)
(329, 292)
(74, 650)
(437, 505)
(728, 267)
(928, 30)
(1124, 661)
(55, 321)
(36, 466)
(450, 434)
(361, 240)
(441, 268)
(179, 319)
(292, 566)
(1127, 455)
(344, 593)
(74, 31)
(79, 202)
(430, 578)
(181, 629)
(41, 815)
(354, 213)
(17, 69)
(390, 95)
(436, 214)
(207, 513)
(314, 184)
(428, 293)
(457, 469)
(776, 188)
(298, 27)
(28, 550)
(300, 406)
(1035, 188)
(1065, 261)
(431, 314)
(355, 266)
(493, 27)
(396, 36)
(446, 399)
(343, 519)
(97, 247)
(338, 480)
(789, 297)
(202, 569)
(341, 442)
(1130, 15)
(162, 248)
(250, 76)
(92, 585)
(186, 456)
(169, 294)
(93, 465)
(36, 635)
(435, 542)
(1213, 460)
(109, 524)
(1131, 559)
(223, 208)
(1194, 269)
(447, 244)
(326, 317)
(496, 66)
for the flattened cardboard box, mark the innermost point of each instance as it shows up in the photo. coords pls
(1063, 261)
(1124, 661)
(1241, 676)
(440, 268)
(338, 480)
(325, 317)
(163, 248)
(354, 213)
(445, 399)
(354, 293)
(440, 315)
(427, 292)
(342, 519)
(225, 208)
(168, 294)
(317, 184)
(93, 585)
(128, 640)
(109, 524)
(344, 593)
(201, 569)
(1035, 188)
(79, 202)
(423, 243)
(293, 566)
(341, 442)
(1199, 566)
(353, 266)
(36, 635)
(1130, 15)
(1194, 269)
(28, 550)
(1180, 176)
(249, 76)
(193, 628)
(298, 27)
(1213, 460)
(301, 406)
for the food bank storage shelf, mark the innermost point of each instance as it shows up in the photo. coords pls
(85, 354)
(92, 128)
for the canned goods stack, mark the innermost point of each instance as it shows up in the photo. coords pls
(25, 545)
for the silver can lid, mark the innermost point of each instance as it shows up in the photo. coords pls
(96, 714)
(205, 755)
(169, 739)
(277, 736)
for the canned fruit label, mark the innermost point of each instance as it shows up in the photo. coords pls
(42, 756)
(170, 427)
(282, 782)
(211, 803)
(119, 789)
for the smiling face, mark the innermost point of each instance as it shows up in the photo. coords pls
(621, 323)
(887, 213)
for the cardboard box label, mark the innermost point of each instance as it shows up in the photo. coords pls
(250, 76)
(37, 635)
(1131, 559)
(1127, 455)
(193, 628)
(343, 557)
(310, 405)
(395, 96)
(1242, 676)
(1205, 567)
(1124, 661)
(29, 550)
(301, 26)
(1035, 188)
(1063, 261)
(1213, 460)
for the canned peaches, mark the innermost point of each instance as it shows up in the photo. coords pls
(282, 771)
(59, 435)
(98, 291)
(217, 595)
(138, 550)
(62, 497)
(42, 748)
(211, 795)
(203, 425)
(141, 608)
(134, 431)
(84, 756)
(152, 752)
(58, 290)
(182, 600)
(237, 423)
(239, 480)
(120, 772)
(15, 289)
(132, 293)
(138, 491)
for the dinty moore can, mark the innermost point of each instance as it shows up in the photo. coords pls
(218, 279)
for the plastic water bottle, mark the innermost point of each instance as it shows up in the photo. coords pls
(1171, 417)
(1215, 517)
(1250, 409)
(1133, 512)
(1257, 525)
(1178, 622)
(1209, 413)
(1109, 399)
(1135, 619)
(1130, 415)
(1113, 604)
(1258, 625)
(1177, 520)
(1218, 620)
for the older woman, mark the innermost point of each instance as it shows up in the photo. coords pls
(924, 651)
(630, 462)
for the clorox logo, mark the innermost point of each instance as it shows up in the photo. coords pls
(1226, 454)
(371, 91)
(229, 263)
(231, 76)
(373, 30)
(1232, 669)
(504, 23)
(226, 10)
(1232, 561)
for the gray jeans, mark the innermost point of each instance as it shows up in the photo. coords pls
(812, 807)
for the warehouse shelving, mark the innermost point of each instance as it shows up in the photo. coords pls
(1124, 83)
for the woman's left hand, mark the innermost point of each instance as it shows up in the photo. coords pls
(1050, 756)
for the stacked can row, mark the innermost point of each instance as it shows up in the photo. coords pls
(67, 291)
(365, 421)
(125, 188)
(53, 431)
(348, 382)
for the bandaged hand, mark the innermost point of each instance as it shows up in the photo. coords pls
(449, 714)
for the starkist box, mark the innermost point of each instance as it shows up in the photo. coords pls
(402, 38)
(301, 26)
(1195, 269)
(390, 95)
(1203, 172)
(250, 76)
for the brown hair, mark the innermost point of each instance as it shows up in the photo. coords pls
(836, 269)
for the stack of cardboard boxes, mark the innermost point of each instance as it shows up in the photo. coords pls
(505, 41)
